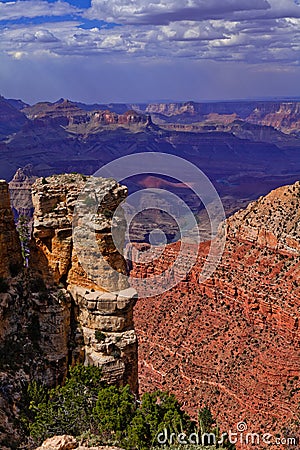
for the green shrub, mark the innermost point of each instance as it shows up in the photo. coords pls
(99, 414)
(100, 336)
(67, 409)
(114, 411)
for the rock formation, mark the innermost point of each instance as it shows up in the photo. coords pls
(20, 191)
(233, 342)
(34, 326)
(52, 313)
(283, 115)
(55, 258)
(10, 249)
(69, 115)
(66, 442)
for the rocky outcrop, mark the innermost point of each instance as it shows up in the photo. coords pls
(66, 442)
(34, 327)
(20, 192)
(103, 304)
(232, 342)
(75, 119)
(60, 112)
(10, 248)
(55, 313)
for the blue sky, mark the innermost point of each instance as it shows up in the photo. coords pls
(100, 50)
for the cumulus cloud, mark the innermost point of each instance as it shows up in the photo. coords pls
(218, 40)
(35, 8)
(250, 31)
(162, 12)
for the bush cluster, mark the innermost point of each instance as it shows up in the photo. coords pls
(100, 414)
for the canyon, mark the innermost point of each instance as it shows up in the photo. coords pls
(232, 343)
(279, 114)
(246, 148)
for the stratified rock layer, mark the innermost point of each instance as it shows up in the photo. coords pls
(34, 327)
(233, 342)
(20, 192)
(66, 442)
(103, 305)
(10, 248)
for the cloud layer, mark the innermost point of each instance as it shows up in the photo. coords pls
(34, 8)
(261, 33)
(163, 12)
(232, 30)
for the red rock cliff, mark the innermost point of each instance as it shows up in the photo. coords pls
(233, 342)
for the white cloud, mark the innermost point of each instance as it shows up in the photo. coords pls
(252, 40)
(162, 12)
(215, 40)
(18, 55)
(35, 8)
(159, 12)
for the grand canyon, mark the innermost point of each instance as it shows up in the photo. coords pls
(230, 343)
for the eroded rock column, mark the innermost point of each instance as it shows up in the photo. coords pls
(92, 269)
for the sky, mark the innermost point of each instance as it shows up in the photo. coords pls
(149, 50)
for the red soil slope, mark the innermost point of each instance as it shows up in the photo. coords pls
(233, 342)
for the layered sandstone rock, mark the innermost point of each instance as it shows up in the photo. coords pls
(75, 119)
(20, 191)
(69, 207)
(232, 342)
(66, 442)
(34, 326)
(55, 313)
(10, 248)
(284, 116)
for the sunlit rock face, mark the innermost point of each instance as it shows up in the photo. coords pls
(232, 342)
(54, 311)
(20, 192)
(102, 312)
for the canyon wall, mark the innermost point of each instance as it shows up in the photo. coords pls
(53, 312)
(11, 119)
(10, 249)
(281, 115)
(233, 342)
